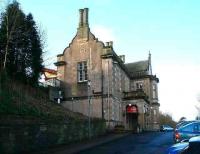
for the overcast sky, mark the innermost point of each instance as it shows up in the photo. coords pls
(170, 29)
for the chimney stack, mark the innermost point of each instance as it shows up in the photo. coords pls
(83, 28)
(107, 44)
(81, 17)
(85, 16)
(122, 57)
(111, 43)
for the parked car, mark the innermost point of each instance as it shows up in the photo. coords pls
(191, 146)
(187, 131)
(194, 146)
(183, 123)
(165, 128)
(177, 148)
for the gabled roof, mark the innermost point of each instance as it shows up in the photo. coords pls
(49, 73)
(139, 66)
(141, 69)
(52, 71)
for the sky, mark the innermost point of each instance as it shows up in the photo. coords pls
(169, 29)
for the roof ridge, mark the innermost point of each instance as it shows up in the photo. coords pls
(137, 62)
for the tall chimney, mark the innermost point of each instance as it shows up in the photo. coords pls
(83, 29)
(81, 17)
(85, 17)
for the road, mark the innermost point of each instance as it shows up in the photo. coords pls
(145, 143)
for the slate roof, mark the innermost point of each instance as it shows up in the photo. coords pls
(139, 66)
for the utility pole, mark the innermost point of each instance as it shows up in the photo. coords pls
(108, 97)
(89, 90)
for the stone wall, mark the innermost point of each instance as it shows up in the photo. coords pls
(20, 136)
(81, 106)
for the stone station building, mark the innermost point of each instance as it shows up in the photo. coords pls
(98, 83)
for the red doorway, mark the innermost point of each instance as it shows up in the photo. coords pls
(132, 117)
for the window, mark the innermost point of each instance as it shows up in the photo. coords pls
(188, 128)
(82, 71)
(154, 91)
(139, 85)
(196, 127)
(154, 112)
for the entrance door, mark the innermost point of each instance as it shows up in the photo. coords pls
(132, 117)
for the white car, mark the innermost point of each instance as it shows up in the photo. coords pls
(165, 128)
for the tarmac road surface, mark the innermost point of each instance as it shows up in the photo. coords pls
(144, 143)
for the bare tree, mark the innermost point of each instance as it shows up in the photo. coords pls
(166, 118)
(182, 119)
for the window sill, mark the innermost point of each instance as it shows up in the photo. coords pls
(82, 82)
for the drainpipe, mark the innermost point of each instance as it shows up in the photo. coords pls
(102, 104)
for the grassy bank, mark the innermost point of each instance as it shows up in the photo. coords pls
(23, 100)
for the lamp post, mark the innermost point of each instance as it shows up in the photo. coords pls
(152, 118)
(59, 96)
(89, 85)
(108, 103)
(72, 103)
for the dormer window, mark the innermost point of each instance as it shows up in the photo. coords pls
(139, 85)
(82, 71)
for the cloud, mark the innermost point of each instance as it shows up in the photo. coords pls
(103, 33)
(178, 89)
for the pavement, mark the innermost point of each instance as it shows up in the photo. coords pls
(81, 146)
